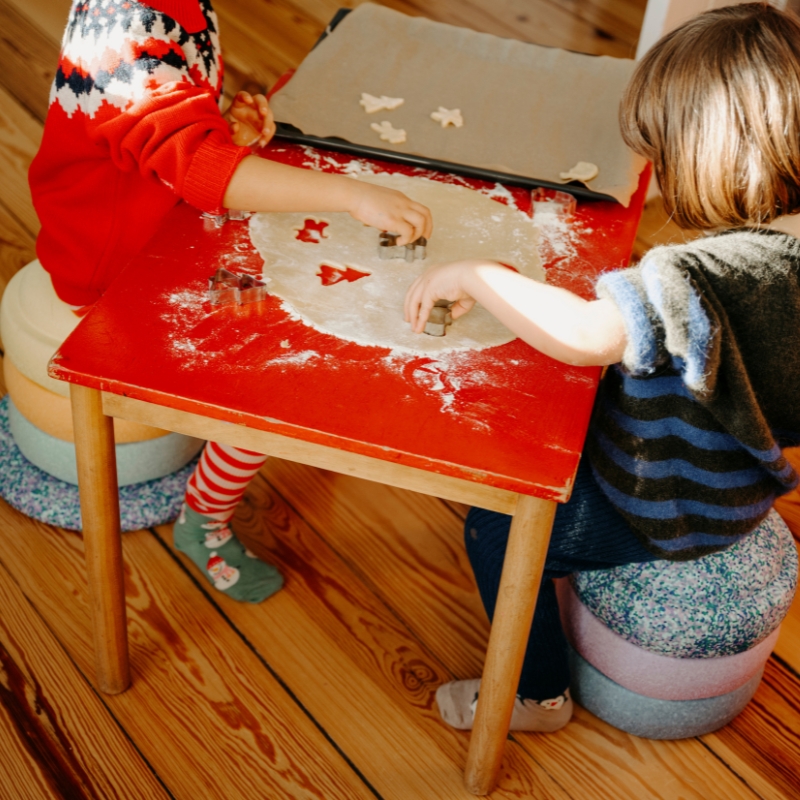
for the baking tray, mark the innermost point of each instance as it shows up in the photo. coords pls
(290, 133)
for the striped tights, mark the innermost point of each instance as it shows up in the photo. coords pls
(220, 480)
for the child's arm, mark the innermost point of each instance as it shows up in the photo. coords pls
(261, 185)
(553, 320)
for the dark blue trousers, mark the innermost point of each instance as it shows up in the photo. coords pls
(588, 534)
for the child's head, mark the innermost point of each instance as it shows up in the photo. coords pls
(715, 105)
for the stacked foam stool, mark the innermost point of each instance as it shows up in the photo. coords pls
(38, 474)
(667, 650)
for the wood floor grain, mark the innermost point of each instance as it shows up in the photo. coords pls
(65, 742)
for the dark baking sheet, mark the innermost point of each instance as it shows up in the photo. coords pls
(290, 133)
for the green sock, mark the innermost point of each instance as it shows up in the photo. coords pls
(227, 564)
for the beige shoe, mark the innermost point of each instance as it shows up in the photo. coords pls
(457, 701)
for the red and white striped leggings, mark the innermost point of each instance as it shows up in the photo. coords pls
(221, 477)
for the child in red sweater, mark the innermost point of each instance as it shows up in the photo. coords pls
(134, 126)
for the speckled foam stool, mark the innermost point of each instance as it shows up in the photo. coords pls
(674, 649)
(714, 606)
(41, 496)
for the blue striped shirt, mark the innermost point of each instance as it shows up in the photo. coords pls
(684, 437)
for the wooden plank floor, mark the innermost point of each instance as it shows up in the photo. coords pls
(326, 690)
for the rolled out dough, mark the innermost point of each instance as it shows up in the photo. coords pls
(368, 309)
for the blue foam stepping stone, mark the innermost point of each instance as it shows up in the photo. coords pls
(41, 496)
(137, 462)
(651, 718)
(717, 605)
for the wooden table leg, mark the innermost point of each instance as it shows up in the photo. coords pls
(97, 481)
(516, 600)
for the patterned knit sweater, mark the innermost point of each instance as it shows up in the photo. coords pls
(133, 126)
(687, 431)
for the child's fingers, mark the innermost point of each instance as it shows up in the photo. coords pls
(418, 304)
(423, 312)
(406, 231)
(244, 97)
(419, 222)
(262, 106)
(425, 213)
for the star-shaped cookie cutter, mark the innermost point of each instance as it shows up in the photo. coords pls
(226, 288)
(413, 251)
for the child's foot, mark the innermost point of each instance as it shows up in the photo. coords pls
(458, 699)
(226, 563)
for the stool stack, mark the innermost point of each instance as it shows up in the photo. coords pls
(668, 650)
(33, 324)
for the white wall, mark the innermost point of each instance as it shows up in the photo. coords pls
(661, 16)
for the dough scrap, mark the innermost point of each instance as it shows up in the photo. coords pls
(388, 133)
(448, 116)
(371, 103)
(369, 310)
(582, 171)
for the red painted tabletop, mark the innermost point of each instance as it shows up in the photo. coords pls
(506, 416)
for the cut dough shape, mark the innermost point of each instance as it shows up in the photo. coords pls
(311, 230)
(388, 133)
(369, 310)
(448, 116)
(372, 104)
(582, 171)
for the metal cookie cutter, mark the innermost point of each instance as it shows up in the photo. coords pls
(251, 289)
(439, 318)
(226, 288)
(223, 288)
(213, 221)
(388, 247)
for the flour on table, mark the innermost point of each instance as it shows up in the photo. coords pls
(448, 116)
(388, 133)
(582, 171)
(339, 285)
(371, 104)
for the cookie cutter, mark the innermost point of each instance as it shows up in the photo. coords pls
(439, 318)
(226, 288)
(213, 221)
(388, 247)
(252, 289)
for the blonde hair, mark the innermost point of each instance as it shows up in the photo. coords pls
(715, 105)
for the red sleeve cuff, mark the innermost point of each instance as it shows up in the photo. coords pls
(210, 172)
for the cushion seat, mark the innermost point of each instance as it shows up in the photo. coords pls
(714, 606)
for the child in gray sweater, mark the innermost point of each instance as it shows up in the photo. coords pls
(683, 456)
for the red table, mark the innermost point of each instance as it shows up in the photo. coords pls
(500, 428)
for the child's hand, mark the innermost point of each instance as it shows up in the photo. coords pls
(440, 282)
(390, 210)
(250, 119)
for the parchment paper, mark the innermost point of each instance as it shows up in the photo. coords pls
(528, 110)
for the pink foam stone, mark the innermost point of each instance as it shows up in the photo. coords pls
(651, 674)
